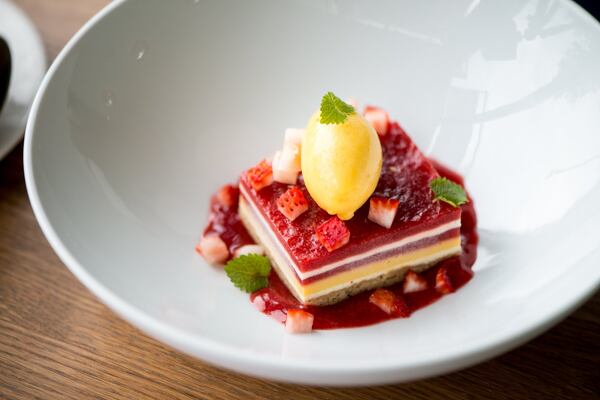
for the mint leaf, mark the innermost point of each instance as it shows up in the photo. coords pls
(334, 110)
(249, 272)
(448, 191)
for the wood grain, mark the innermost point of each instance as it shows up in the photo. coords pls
(58, 341)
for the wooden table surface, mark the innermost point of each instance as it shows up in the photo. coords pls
(58, 341)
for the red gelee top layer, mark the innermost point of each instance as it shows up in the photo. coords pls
(405, 175)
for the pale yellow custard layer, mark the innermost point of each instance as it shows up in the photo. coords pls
(423, 255)
(342, 280)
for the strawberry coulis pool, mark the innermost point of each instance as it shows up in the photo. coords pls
(355, 311)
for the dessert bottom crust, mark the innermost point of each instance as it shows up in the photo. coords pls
(385, 279)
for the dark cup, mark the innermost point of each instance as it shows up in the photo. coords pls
(5, 70)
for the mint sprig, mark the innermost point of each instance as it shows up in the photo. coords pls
(249, 272)
(448, 191)
(334, 110)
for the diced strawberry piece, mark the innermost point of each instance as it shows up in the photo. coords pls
(333, 234)
(261, 175)
(259, 303)
(389, 303)
(249, 249)
(383, 299)
(228, 196)
(378, 118)
(293, 135)
(213, 249)
(292, 203)
(413, 282)
(290, 156)
(278, 315)
(282, 173)
(299, 321)
(382, 210)
(443, 284)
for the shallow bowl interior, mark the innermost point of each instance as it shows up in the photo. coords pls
(156, 104)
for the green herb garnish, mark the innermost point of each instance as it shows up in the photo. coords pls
(334, 110)
(448, 191)
(249, 272)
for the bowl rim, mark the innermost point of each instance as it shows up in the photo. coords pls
(329, 372)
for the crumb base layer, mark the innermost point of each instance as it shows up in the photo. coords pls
(337, 287)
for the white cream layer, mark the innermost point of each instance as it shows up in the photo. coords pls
(340, 281)
(328, 267)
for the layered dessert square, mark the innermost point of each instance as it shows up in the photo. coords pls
(322, 259)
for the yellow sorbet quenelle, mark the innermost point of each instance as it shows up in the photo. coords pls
(341, 158)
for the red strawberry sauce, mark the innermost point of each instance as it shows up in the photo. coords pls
(357, 310)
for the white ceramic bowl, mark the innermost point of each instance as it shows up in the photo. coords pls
(155, 104)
